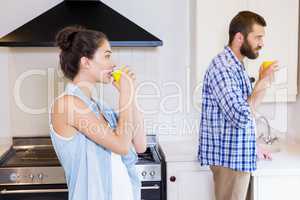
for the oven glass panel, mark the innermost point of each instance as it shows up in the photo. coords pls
(17, 192)
(151, 194)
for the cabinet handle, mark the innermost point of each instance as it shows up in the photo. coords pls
(173, 178)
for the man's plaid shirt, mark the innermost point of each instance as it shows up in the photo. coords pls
(227, 129)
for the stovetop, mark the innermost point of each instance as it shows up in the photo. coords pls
(29, 158)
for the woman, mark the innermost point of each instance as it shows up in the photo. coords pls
(96, 149)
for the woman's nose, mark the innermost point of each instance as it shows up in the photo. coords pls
(112, 65)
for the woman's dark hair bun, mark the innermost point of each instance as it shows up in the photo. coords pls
(76, 42)
(65, 37)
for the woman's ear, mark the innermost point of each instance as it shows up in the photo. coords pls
(84, 62)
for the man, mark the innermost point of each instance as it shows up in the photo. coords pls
(227, 129)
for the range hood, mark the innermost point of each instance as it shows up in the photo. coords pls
(91, 14)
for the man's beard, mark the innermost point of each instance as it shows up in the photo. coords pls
(247, 51)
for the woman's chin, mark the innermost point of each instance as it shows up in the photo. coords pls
(107, 81)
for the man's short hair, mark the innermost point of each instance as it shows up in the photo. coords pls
(243, 23)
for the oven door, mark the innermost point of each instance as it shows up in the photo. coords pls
(34, 192)
(151, 190)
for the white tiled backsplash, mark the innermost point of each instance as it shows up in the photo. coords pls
(4, 100)
(35, 70)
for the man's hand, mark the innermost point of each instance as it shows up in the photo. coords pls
(263, 154)
(268, 72)
(266, 77)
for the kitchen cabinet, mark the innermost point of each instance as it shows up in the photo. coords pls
(212, 30)
(188, 180)
(280, 178)
(276, 187)
(281, 40)
(277, 179)
(281, 43)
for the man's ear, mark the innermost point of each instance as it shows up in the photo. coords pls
(239, 38)
(85, 62)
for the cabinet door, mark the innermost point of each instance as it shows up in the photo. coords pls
(276, 187)
(212, 26)
(188, 181)
(281, 43)
(281, 40)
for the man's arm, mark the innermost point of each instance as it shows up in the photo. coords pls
(265, 79)
(229, 96)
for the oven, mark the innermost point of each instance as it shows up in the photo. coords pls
(151, 173)
(30, 170)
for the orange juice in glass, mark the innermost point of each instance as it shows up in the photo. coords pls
(267, 64)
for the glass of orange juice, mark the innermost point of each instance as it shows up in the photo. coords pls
(116, 74)
(267, 64)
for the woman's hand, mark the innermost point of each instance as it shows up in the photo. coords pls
(127, 80)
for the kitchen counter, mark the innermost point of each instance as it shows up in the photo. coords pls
(179, 149)
(3, 149)
(5, 144)
(183, 149)
(284, 162)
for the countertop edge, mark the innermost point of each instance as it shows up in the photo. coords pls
(282, 164)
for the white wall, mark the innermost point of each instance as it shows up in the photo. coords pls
(170, 20)
(15, 13)
(5, 133)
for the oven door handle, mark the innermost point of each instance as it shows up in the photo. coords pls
(154, 187)
(32, 191)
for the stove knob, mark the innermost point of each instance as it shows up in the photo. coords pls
(31, 176)
(13, 177)
(152, 173)
(41, 176)
(144, 173)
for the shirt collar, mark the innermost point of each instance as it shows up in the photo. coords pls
(232, 57)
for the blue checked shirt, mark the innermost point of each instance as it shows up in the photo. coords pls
(227, 129)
